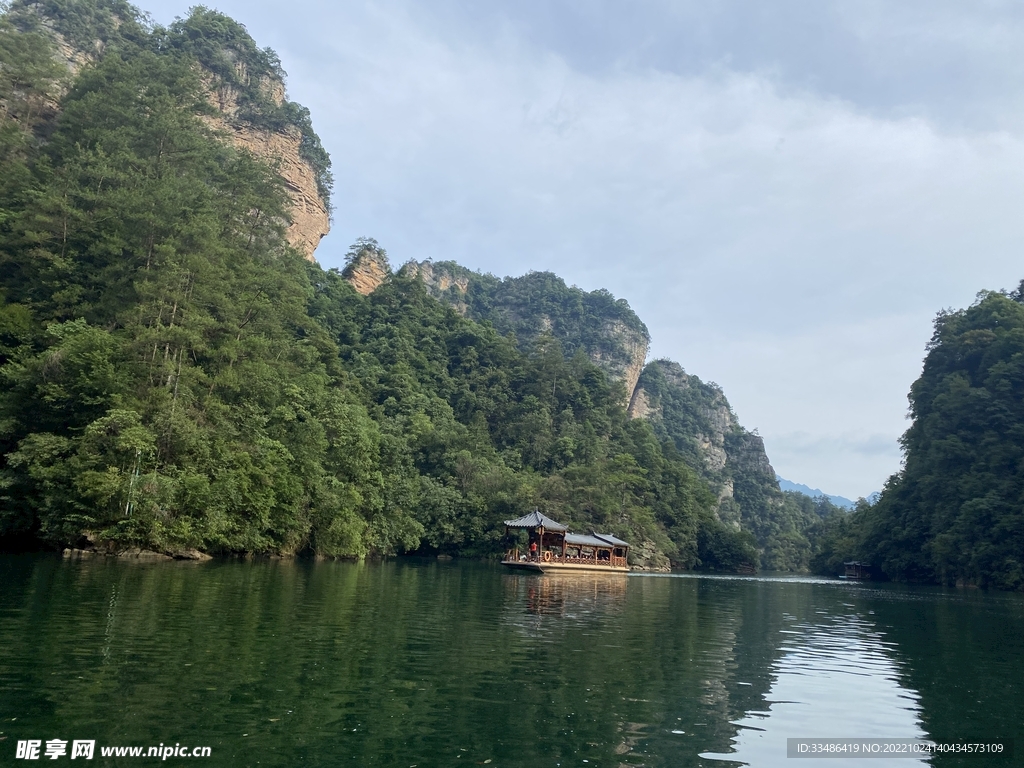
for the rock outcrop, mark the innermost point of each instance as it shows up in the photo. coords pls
(67, 54)
(443, 282)
(747, 454)
(540, 303)
(367, 269)
(626, 362)
(309, 217)
(697, 418)
(639, 404)
(75, 47)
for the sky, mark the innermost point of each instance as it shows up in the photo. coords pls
(786, 193)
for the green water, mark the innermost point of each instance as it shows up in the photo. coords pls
(283, 663)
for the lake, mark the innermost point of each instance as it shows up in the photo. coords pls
(425, 663)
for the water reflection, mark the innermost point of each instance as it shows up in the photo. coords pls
(837, 678)
(568, 596)
(416, 662)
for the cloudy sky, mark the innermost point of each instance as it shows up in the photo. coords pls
(785, 192)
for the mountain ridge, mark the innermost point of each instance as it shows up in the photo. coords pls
(839, 501)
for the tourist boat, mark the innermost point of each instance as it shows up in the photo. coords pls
(559, 551)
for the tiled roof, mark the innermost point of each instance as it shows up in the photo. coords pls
(594, 540)
(536, 519)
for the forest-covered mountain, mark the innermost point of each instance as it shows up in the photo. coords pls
(178, 374)
(243, 87)
(955, 513)
(538, 307)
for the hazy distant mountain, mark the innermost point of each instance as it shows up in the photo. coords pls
(839, 501)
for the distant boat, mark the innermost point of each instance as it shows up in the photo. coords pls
(553, 549)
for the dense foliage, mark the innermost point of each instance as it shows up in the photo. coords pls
(87, 25)
(175, 376)
(955, 513)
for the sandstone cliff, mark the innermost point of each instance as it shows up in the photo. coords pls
(367, 267)
(444, 281)
(310, 218)
(623, 360)
(246, 86)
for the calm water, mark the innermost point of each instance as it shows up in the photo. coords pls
(281, 663)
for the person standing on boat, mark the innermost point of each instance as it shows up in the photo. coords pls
(533, 549)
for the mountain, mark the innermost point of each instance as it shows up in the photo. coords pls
(540, 305)
(242, 84)
(694, 417)
(179, 375)
(839, 501)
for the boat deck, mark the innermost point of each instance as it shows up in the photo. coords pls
(558, 566)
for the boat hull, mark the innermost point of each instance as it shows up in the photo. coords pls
(539, 566)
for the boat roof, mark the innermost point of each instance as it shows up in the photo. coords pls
(536, 519)
(594, 540)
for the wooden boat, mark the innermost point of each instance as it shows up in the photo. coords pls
(554, 549)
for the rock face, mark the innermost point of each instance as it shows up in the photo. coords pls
(639, 404)
(697, 418)
(367, 270)
(746, 452)
(310, 219)
(540, 304)
(626, 362)
(309, 212)
(71, 57)
(442, 282)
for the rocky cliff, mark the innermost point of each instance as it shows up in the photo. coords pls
(540, 303)
(246, 87)
(624, 357)
(310, 218)
(367, 267)
(445, 281)
(697, 418)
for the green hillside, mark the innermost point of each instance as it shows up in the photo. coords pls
(955, 513)
(176, 376)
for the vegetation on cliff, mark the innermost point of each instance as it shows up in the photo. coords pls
(539, 307)
(955, 513)
(176, 376)
(229, 57)
(224, 47)
(696, 418)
